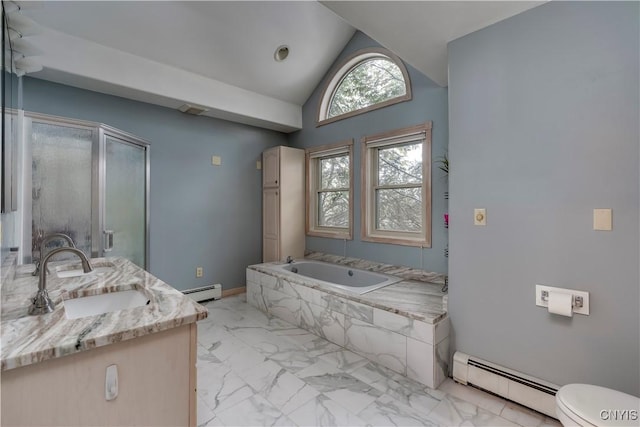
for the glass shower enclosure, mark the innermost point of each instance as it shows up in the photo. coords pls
(89, 181)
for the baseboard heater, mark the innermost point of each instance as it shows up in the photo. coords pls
(204, 293)
(512, 385)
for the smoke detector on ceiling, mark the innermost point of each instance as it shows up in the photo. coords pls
(195, 110)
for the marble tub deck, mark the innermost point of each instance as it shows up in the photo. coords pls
(422, 301)
(258, 370)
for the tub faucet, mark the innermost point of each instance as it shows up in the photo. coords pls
(289, 260)
(42, 303)
(50, 238)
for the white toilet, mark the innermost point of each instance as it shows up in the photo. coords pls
(589, 405)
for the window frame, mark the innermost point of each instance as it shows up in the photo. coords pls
(313, 156)
(339, 72)
(369, 176)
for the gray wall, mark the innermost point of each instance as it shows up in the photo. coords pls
(429, 103)
(201, 215)
(543, 112)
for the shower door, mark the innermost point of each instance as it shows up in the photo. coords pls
(89, 181)
(124, 224)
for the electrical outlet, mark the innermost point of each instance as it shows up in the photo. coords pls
(199, 272)
(480, 217)
(258, 165)
(216, 160)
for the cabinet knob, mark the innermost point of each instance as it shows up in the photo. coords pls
(276, 181)
(276, 193)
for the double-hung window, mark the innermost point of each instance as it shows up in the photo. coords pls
(330, 190)
(396, 202)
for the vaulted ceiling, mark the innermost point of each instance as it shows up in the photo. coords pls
(220, 55)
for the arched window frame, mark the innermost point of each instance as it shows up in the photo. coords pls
(344, 68)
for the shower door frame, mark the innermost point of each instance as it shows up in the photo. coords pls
(98, 179)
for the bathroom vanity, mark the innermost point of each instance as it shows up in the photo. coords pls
(58, 370)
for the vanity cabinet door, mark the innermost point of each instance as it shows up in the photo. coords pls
(156, 385)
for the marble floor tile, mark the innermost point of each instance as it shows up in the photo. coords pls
(408, 392)
(338, 385)
(323, 411)
(279, 386)
(318, 346)
(479, 398)
(295, 360)
(205, 414)
(344, 359)
(386, 411)
(521, 415)
(255, 370)
(452, 411)
(262, 340)
(245, 359)
(253, 411)
(221, 390)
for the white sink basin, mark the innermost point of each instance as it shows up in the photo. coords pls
(103, 303)
(66, 271)
(80, 272)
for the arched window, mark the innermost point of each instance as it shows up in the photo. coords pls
(367, 80)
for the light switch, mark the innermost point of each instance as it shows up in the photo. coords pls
(216, 160)
(258, 165)
(480, 216)
(602, 219)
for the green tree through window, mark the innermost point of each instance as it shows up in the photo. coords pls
(366, 80)
(370, 82)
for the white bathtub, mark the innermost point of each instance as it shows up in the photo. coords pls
(347, 278)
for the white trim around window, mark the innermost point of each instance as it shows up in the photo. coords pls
(316, 224)
(373, 228)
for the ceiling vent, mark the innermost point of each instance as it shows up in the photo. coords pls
(195, 110)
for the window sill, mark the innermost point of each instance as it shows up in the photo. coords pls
(342, 235)
(420, 243)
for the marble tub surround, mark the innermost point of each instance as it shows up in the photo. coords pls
(32, 339)
(407, 273)
(402, 326)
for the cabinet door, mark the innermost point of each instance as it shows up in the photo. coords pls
(271, 167)
(271, 224)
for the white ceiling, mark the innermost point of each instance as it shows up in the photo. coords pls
(418, 31)
(219, 54)
(232, 42)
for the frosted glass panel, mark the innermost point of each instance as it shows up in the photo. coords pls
(61, 186)
(125, 200)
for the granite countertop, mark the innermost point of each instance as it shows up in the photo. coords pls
(26, 339)
(415, 299)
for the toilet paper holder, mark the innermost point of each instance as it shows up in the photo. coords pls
(579, 299)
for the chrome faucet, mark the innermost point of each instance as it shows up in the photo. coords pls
(50, 238)
(289, 260)
(41, 303)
